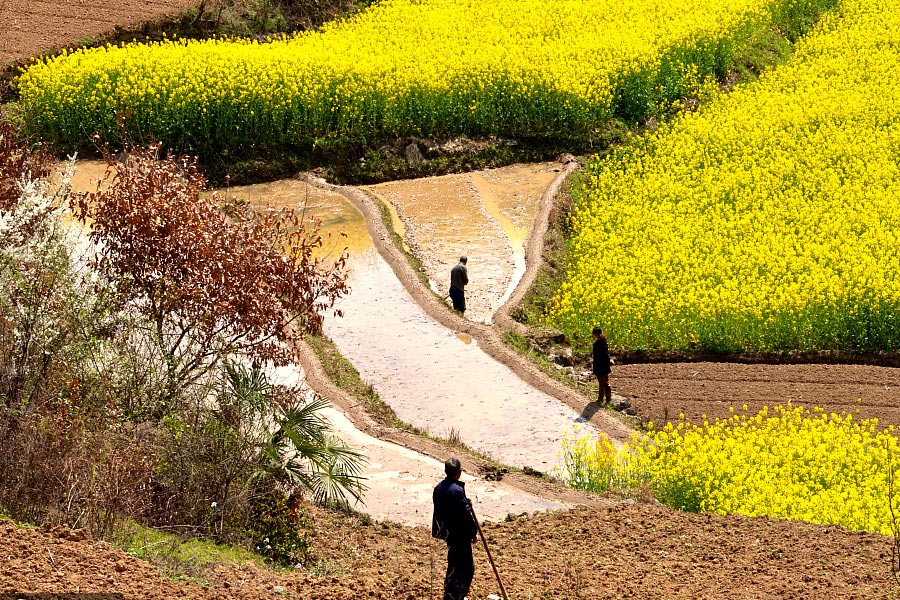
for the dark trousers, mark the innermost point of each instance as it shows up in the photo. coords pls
(604, 390)
(459, 299)
(460, 570)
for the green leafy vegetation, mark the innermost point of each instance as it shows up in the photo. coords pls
(132, 384)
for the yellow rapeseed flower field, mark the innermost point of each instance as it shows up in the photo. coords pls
(787, 463)
(768, 220)
(403, 67)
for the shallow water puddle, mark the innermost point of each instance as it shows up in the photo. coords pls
(400, 480)
(341, 224)
(85, 179)
(484, 215)
(511, 196)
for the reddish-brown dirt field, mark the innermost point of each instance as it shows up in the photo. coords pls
(617, 551)
(30, 27)
(695, 389)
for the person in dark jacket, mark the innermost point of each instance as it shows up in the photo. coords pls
(602, 365)
(453, 522)
(459, 277)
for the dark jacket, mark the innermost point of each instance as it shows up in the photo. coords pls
(601, 357)
(459, 277)
(452, 521)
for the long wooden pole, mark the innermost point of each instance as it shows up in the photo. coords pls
(488, 550)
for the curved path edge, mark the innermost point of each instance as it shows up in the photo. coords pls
(488, 338)
(534, 248)
(319, 381)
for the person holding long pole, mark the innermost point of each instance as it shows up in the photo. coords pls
(490, 558)
(454, 523)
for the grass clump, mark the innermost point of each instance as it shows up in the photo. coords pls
(176, 557)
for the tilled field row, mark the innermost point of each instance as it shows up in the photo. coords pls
(28, 28)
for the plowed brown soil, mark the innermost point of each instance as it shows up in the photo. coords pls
(30, 27)
(662, 391)
(618, 551)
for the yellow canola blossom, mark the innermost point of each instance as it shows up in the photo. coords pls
(789, 463)
(768, 220)
(401, 67)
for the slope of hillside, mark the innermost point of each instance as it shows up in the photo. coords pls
(622, 550)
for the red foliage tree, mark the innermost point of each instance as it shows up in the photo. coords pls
(213, 278)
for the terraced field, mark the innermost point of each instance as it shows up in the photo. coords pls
(707, 181)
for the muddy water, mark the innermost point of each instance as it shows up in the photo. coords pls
(484, 215)
(511, 197)
(341, 225)
(85, 178)
(432, 377)
(400, 481)
(87, 175)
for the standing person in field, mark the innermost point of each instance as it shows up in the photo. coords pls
(453, 522)
(602, 365)
(459, 277)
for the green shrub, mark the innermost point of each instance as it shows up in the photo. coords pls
(277, 529)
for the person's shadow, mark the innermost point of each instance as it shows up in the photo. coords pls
(589, 411)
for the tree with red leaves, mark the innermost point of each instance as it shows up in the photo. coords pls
(214, 279)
